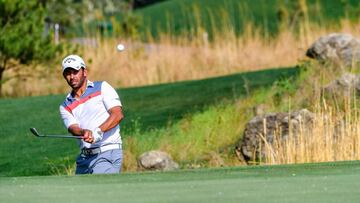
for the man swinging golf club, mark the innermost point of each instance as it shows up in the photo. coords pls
(92, 110)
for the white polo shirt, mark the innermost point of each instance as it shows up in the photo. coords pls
(91, 110)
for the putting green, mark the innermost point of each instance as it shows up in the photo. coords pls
(326, 182)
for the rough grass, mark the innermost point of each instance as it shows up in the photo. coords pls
(176, 59)
(333, 136)
(201, 140)
(335, 132)
(212, 16)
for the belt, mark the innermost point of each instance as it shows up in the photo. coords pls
(93, 151)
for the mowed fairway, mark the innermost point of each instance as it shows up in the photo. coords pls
(326, 182)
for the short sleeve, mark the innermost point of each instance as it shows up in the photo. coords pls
(67, 117)
(110, 97)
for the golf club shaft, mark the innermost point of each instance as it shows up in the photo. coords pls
(62, 136)
(37, 134)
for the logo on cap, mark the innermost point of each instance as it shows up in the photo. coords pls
(69, 60)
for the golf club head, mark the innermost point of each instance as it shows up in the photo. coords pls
(35, 132)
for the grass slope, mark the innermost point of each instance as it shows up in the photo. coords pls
(325, 182)
(152, 107)
(177, 16)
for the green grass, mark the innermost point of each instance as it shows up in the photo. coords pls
(325, 182)
(152, 107)
(188, 16)
(204, 139)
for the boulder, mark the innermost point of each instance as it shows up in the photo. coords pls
(344, 86)
(265, 127)
(336, 48)
(156, 160)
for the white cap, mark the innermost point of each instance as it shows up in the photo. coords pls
(73, 61)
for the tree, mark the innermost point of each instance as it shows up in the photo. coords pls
(73, 16)
(64, 12)
(22, 36)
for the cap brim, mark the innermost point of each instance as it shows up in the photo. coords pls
(78, 68)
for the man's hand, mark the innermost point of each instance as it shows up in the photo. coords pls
(97, 135)
(88, 136)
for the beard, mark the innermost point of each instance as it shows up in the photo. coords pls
(77, 83)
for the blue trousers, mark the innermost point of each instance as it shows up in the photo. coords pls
(108, 162)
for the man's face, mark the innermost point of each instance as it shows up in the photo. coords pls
(75, 78)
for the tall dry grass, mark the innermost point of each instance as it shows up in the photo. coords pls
(172, 60)
(333, 136)
(177, 58)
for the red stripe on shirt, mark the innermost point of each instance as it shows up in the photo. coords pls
(81, 101)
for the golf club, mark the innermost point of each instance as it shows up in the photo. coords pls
(36, 133)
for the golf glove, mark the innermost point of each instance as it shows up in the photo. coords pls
(98, 134)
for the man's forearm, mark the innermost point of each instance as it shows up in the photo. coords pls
(76, 130)
(114, 119)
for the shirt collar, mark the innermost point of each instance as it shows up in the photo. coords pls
(88, 84)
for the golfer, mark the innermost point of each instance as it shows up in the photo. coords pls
(92, 110)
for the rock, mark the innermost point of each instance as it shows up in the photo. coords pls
(344, 86)
(156, 160)
(263, 127)
(337, 48)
